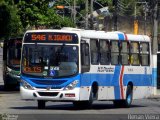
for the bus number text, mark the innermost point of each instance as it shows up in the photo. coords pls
(33, 69)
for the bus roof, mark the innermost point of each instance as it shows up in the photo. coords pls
(115, 35)
(52, 30)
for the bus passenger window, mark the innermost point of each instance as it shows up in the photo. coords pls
(85, 60)
(125, 53)
(94, 52)
(104, 52)
(144, 54)
(134, 60)
(114, 52)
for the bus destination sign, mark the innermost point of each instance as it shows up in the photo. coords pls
(51, 37)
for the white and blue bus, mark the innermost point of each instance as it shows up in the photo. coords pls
(81, 66)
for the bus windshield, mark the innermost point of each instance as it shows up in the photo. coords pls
(14, 54)
(50, 60)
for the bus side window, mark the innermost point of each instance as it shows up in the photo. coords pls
(135, 59)
(104, 52)
(144, 54)
(125, 53)
(114, 52)
(85, 60)
(94, 52)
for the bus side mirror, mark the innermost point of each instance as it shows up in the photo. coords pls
(85, 59)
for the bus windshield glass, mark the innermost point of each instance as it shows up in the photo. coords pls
(50, 60)
(14, 53)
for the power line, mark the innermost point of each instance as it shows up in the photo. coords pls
(118, 1)
(75, 9)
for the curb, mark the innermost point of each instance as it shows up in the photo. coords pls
(154, 97)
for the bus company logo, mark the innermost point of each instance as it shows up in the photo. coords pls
(48, 87)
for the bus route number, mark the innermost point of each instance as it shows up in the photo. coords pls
(33, 69)
(38, 37)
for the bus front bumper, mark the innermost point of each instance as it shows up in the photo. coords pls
(50, 95)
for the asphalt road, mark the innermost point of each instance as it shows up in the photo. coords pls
(12, 107)
(11, 103)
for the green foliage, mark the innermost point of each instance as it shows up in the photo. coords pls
(16, 17)
(9, 20)
(15, 22)
(126, 7)
(4, 19)
(107, 2)
(36, 13)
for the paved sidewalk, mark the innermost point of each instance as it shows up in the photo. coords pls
(157, 96)
(154, 97)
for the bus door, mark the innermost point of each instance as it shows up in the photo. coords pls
(85, 68)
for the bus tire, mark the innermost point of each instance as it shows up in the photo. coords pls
(82, 104)
(41, 104)
(128, 100)
(117, 103)
(77, 104)
(129, 96)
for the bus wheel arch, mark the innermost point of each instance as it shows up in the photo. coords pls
(129, 94)
(130, 84)
(94, 90)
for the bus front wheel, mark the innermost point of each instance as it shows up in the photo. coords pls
(82, 104)
(41, 104)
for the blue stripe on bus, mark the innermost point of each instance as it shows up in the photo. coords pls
(104, 79)
(116, 81)
(111, 79)
(121, 36)
(154, 77)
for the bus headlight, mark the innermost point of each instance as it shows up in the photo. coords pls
(71, 86)
(26, 85)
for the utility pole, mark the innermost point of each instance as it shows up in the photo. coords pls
(145, 15)
(155, 45)
(74, 12)
(115, 15)
(135, 20)
(91, 13)
(135, 17)
(86, 19)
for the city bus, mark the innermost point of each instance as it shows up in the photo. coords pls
(82, 66)
(11, 62)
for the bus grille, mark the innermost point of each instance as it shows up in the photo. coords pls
(52, 87)
(48, 93)
(49, 82)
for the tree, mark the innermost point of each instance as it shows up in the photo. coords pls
(36, 13)
(9, 20)
(4, 20)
